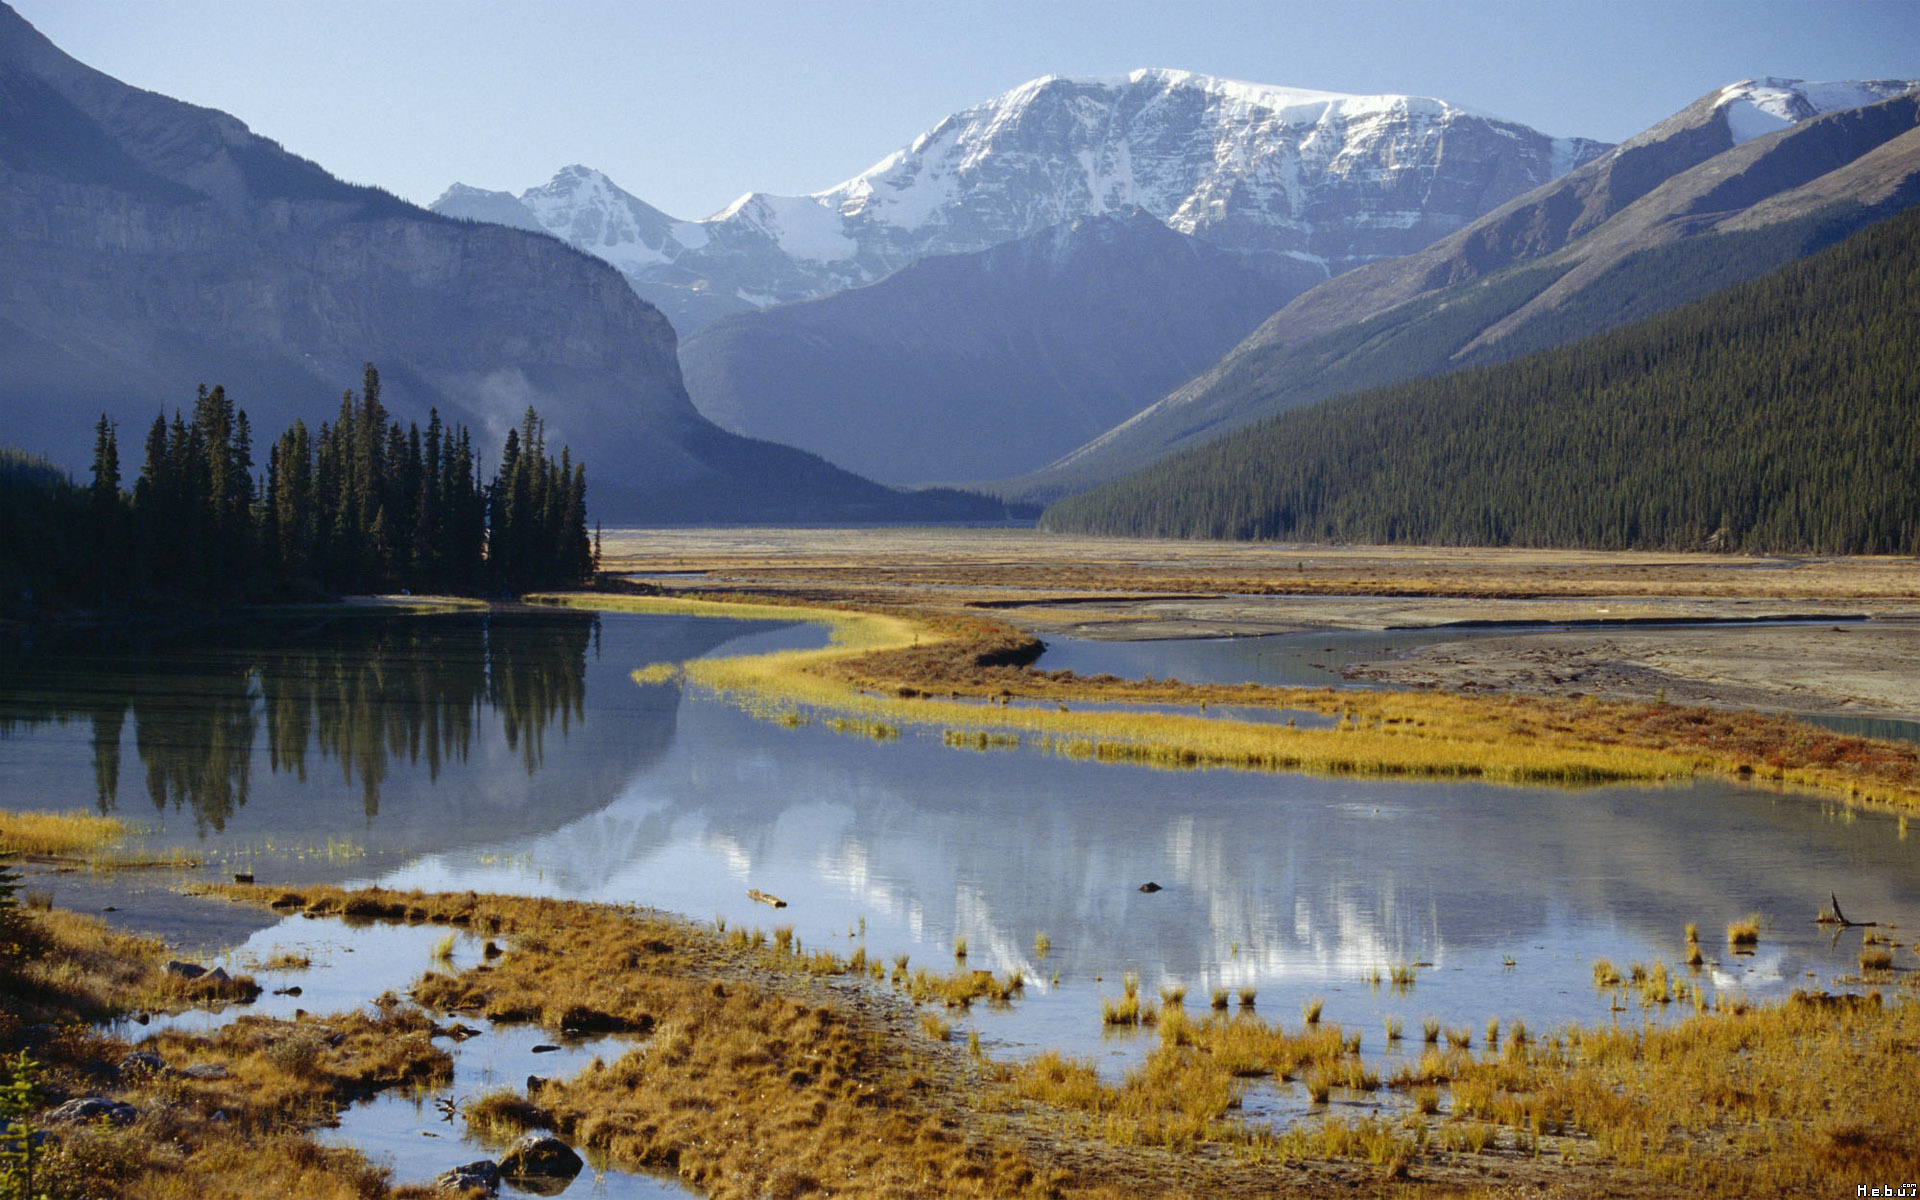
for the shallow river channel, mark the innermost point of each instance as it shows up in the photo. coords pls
(514, 752)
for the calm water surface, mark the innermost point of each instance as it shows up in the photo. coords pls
(514, 752)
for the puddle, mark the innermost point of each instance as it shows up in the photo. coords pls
(412, 1132)
(1277, 1105)
(349, 965)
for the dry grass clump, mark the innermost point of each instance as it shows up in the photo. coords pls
(63, 833)
(71, 967)
(1794, 1098)
(1745, 932)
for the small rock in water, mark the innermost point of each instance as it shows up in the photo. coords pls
(483, 1175)
(287, 991)
(185, 970)
(243, 876)
(535, 1083)
(544, 1048)
(540, 1155)
(1150, 886)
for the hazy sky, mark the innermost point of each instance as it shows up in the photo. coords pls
(690, 104)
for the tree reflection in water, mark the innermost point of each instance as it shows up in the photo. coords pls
(360, 692)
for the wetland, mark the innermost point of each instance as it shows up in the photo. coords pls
(537, 753)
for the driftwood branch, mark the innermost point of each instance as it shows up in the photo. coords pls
(1834, 916)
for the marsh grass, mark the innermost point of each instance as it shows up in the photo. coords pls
(884, 669)
(281, 1077)
(752, 1073)
(1764, 1099)
(1744, 934)
(58, 833)
(888, 668)
(738, 1074)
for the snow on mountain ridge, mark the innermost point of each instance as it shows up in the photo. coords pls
(1197, 151)
(1766, 104)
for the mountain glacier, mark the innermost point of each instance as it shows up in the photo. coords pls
(1331, 180)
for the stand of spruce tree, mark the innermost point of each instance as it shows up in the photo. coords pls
(359, 505)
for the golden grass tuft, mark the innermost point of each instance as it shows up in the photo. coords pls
(1744, 932)
(61, 833)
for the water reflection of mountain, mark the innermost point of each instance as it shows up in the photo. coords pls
(401, 733)
(1264, 874)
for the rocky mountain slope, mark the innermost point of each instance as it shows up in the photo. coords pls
(1332, 180)
(1750, 176)
(150, 246)
(976, 366)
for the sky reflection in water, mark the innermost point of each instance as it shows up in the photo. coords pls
(535, 764)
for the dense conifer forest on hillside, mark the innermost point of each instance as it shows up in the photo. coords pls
(358, 505)
(1779, 415)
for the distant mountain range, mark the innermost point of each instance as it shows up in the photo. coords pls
(1751, 176)
(994, 363)
(150, 246)
(1332, 180)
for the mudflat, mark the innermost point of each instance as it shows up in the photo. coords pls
(1806, 634)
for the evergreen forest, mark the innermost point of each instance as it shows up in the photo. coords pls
(358, 505)
(1779, 415)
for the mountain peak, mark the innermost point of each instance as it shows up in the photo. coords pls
(1327, 179)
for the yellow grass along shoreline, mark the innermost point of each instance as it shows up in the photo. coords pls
(889, 669)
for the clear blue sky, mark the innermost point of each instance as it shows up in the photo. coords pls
(690, 104)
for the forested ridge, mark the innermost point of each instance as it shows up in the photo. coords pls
(358, 505)
(1782, 414)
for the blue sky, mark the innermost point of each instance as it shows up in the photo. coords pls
(688, 105)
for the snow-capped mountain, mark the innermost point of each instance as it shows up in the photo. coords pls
(1792, 166)
(1331, 179)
